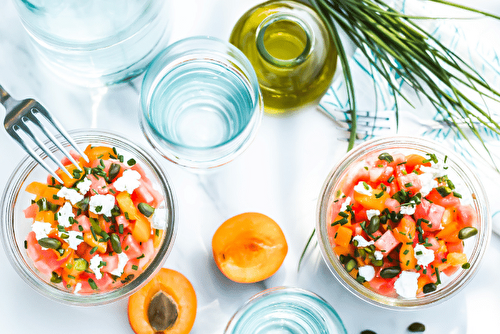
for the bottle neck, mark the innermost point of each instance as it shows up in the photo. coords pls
(284, 40)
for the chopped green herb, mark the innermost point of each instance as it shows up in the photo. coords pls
(140, 257)
(93, 250)
(390, 179)
(135, 267)
(131, 162)
(92, 284)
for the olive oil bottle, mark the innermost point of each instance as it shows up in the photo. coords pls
(291, 51)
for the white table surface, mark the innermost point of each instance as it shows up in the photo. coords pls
(280, 175)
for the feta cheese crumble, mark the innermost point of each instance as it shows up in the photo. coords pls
(94, 266)
(64, 214)
(423, 255)
(74, 239)
(372, 213)
(408, 209)
(407, 284)
(428, 183)
(363, 188)
(78, 287)
(84, 186)
(102, 204)
(362, 242)
(368, 272)
(122, 262)
(41, 229)
(345, 204)
(160, 219)
(128, 182)
(378, 255)
(70, 194)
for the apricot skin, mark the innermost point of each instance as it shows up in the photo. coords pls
(176, 286)
(249, 247)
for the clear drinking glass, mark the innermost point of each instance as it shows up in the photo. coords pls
(201, 102)
(285, 310)
(96, 42)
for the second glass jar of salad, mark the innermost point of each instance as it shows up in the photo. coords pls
(403, 222)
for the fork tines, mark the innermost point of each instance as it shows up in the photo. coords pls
(33, 115)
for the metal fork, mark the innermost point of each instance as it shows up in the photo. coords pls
(369, 123)
(383, 122)
(18, 118)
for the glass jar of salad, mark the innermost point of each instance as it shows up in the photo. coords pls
(102, 234)
(291, 51)
(403, 222)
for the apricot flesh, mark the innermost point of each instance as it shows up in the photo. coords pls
(249, 247)
(177, 287)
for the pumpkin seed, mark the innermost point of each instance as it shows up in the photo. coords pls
(115, 243)
(416, 327)
(55, 278)
(351, 264)
(429, 288)
(162, 312)
(81, 264)
(374, 225)
(114, 169)
(146, 209)
(49, 243)
(386, 156)
(467, 232)
(390, 272)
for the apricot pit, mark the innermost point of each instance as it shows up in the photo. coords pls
(167, 304)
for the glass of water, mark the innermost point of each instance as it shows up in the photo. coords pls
(201, 102)
(96, 42)
(285, 310)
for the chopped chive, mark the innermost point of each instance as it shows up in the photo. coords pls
(93, 250)
(131, 162)
(120, 228)
(409, 184)
(135, 267)
(380, 194)
(92, 284)
(366, 186)
(419, 253)
(466, 265)
(390, 179)
(25, 244)
(93, 233)
(457, 195)
(157, 232)
(140, 257)
(406, 252)
(80, 227)
(365, 168)
(126, 215)
(437, 276)
(127, 247)
(79, 236)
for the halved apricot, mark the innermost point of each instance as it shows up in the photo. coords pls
(249, 247)
(167, 304)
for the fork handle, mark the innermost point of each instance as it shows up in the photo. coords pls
(4, 96)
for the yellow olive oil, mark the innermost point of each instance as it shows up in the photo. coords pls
(291, 51)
